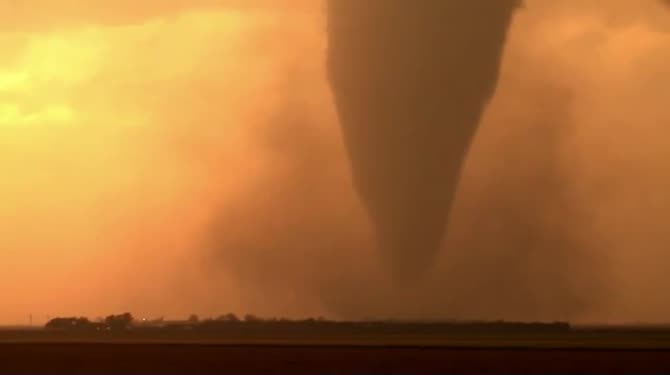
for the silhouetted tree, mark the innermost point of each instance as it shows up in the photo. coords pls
(119, 322)
(193, 318)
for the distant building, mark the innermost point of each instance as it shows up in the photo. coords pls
(71, 323)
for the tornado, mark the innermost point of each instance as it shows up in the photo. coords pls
(410, 79)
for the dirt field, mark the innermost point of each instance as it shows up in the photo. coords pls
(612, 351)
(108, 358)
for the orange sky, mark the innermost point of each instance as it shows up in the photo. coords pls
(114, 124)
(126, 126)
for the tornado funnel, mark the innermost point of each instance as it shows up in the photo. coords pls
(411, 79)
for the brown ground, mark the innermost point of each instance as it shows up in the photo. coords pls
(120, 358)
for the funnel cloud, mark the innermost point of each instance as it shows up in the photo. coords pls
(188, 157)
(410, 82)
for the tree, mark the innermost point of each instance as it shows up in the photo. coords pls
(193, 319)
(119, 322)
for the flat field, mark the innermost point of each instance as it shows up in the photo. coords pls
(38, 351)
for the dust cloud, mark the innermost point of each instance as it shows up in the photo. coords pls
(190, 159)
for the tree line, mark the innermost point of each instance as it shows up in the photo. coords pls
(252, 323)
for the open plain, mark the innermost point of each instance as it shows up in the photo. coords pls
(577, 351)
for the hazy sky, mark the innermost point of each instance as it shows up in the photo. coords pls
(169, 157)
